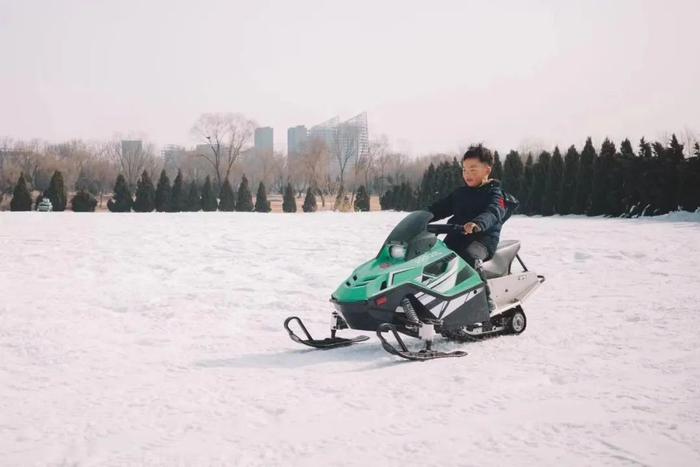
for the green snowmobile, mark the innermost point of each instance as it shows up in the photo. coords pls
(417, 286)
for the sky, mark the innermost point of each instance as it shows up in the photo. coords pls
(431, 75)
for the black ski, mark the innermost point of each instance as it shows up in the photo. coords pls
(403, 352)
(327, 343)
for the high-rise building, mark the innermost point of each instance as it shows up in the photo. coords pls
(296, 138)
(264, 140)
(346, 141)
(131, 147)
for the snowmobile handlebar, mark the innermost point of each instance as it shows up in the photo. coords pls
(445, 228)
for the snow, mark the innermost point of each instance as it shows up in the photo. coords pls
(157, 339)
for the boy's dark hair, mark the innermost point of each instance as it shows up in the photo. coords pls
(479, 152)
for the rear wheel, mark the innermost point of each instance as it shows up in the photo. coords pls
(517, 322)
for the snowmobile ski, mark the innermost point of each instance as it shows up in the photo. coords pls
(422, 355)
(327, 343)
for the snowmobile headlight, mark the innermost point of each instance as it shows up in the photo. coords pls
(397, 251)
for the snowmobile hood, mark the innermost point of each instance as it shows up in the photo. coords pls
(389, 269)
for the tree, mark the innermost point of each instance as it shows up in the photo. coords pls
(568, 186)
(601, 179)
(362, 199)
(526, 186)
(584, 178)
(83, 202)
(227, 199)
(121, 198)
(132, 157)
(261, 202)
(21, 198)
(209, 201)
(177, 194)
(194, 202)
(428, 193)
(552, 186)
(289, 203)
(225, 135)
(56, 192)
(244, 200)
(145, 194)
(163, 192)
(309, 201)
(497, 171)
(512, 174)
(539, 180)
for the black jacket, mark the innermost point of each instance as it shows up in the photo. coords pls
(485, 206)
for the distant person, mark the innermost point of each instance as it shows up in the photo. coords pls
(480, 206)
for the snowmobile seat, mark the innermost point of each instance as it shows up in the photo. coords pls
(500, 264)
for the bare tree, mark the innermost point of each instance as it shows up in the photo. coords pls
(226, 135)
(132, 157)
(344, 148)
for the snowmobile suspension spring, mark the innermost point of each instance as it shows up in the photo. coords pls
(408, 309)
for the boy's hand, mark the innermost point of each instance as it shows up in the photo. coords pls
(470, 228)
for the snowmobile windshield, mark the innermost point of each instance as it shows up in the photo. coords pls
(411, 232)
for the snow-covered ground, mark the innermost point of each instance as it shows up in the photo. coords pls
(157, 339)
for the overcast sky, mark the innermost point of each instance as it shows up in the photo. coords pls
(432, 75)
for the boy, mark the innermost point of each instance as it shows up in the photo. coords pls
(480, 206)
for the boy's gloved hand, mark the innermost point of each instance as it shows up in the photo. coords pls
(470, 228)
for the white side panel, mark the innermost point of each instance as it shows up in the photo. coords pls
(513, 288)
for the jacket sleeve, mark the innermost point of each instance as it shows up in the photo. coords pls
(441, 208)
(494, 213)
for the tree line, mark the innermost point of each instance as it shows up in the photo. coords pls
(179, 196)
(655, 179)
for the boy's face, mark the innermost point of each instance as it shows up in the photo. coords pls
(475, 172)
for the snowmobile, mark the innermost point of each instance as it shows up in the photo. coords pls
(418, 287)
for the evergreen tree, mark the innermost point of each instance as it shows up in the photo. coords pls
(145, 194)
(568, 186)
(513, 174)
(630, 166)
(427, 193)
(177, 195)
(83, 202)
(526, 186)
(163, 192)
(584, 178)
(121, 198)
(244, 200)
(539, 181)
(689, 189)
(81, 182)
(209, 201)
(645, 149)
(261, 202)
(56, 192)
(361, 199)
(194, 202)
(601, 179)
(497, 171)
(289, 203)
(21, 197)
(309, 201)
(553, 184)
(227, 199)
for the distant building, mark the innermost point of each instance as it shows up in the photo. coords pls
(296, 138)
(132, 146)
(264, 140)
(343, 139)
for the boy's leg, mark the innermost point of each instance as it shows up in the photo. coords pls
(478, 252)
